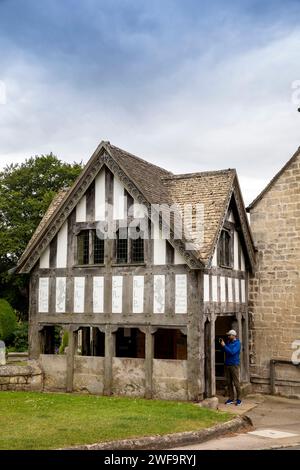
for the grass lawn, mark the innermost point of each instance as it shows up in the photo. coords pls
(32, 420)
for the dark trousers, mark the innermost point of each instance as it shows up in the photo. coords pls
(232, 379)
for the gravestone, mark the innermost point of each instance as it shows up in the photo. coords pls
(2, 354)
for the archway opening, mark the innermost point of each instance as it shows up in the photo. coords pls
(222, 325)
(130, 342)
(170, 344)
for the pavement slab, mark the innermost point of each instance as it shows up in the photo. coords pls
(276, 423)
(247, 405)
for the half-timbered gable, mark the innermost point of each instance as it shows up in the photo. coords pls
(142, 305)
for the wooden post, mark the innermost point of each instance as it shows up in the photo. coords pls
(149, 352)
(245, 345)
(207, 361)
(34, 335)
(194, 332)
(240, 336)
(70, 359)
(109, 353)
(212, 355)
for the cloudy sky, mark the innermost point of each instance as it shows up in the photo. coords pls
(190, 85)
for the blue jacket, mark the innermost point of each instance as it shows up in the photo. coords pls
(232, 353)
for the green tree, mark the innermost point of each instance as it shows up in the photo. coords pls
(26, 190)
(20, 338)
(64, 342)
(8, 322)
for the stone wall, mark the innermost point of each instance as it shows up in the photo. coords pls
(26, 378)
(128, 376)
(170, 379)
(274, 291)
(17, 357)
(88, 374)
(54, 367)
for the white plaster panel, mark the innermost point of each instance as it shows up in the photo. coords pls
(214, 288)
(180, 293)
(230, 295)
(119, 200)
(156, 230)
(117, 290)
(243, 268)
(159, 293)
(237, 290)
(44, 294)
(222, 289)
(62, 246)
(45, 258)
(100, 196)
(60, 300)
(214, 259)
(159, 251)
(79, 285)
(81, 210)
(230, 217)
(138, 294)
(98, 294)
(178, 258)
(236, 250)
(159, 246)
(139, 210)
(243, 289)
(206, 288)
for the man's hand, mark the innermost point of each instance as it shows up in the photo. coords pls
(222, 343)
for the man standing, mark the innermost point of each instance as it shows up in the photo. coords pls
(232, 365)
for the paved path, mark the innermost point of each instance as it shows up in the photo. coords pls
(275, 419)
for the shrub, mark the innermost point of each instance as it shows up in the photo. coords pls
(64, 342)
(20, 341)
(8, 321)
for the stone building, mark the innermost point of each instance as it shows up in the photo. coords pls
(143, 313)
(274, 296)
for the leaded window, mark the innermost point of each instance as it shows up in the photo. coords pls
(83, 247)
(225, 249)
(98, 249)
(90, 248)
(137, 248)
(122, 246)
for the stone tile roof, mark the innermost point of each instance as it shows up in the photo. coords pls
(145, 175)
(213, 190)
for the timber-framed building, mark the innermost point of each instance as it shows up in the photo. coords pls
(143, 314)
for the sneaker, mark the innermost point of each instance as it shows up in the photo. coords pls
(229, 402)
(238, 402)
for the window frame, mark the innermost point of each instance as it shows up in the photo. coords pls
(79, 261)
(91, 248)
(130, 261)
(222, 249)
(125, 241)
(132, 242)
(94, 238)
